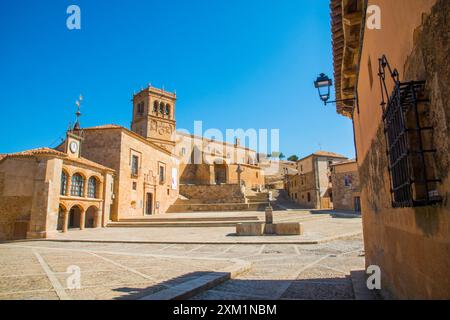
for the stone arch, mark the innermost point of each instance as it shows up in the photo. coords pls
(162, 108)
(220, 172)
(168, 109)
(64, 182)
(91, 217)
(77, 186)
(93, 187)
(75, 216)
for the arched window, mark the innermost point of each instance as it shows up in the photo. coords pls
(161, 108)
(77, 187)
(92, 188)
(155, 106)
(168, 110)
(63, 183)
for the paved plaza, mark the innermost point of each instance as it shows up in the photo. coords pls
(38, 269)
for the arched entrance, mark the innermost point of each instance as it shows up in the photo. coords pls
(91, 214)
(75, 216)
(61, 213)
(220, 172)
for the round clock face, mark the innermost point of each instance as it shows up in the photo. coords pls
(73, 147)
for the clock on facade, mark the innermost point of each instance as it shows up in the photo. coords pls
(73, 147)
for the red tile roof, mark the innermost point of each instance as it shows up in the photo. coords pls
(55, 153)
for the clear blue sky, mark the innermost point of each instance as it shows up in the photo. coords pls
(234, 64)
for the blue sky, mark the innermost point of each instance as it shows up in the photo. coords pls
(234, 64)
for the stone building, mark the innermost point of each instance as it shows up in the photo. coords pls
(400, 75)
(110, 173)
(346, 189)
(275, 171)
(206, 162)
(45, 190)
(311, 187)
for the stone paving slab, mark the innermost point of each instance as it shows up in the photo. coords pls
(134, 271)
(323, 228)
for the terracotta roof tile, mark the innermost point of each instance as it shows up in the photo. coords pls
(53, 152)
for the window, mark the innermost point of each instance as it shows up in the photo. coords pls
(347, 181)
(183, 151)
(168, 110)
(161, 108)
(135, 165)
(134, 185)
(77, 186)
(140, 108)
(409, 141)
(162, 174)
(63, 183)
(301, 168)
(92, 188)
(309, 197)
(155, 106)
(257, 175)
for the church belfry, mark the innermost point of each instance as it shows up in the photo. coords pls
(154, 116)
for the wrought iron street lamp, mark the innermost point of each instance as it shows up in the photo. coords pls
(323, 85)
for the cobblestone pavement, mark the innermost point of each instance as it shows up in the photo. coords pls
(37, 269)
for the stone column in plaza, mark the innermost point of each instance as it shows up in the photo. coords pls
(82, 219)
(65, 226)
(98, 218)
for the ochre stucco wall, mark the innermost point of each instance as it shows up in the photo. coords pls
(411, 245)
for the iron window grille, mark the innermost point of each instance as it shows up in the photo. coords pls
(409, 140)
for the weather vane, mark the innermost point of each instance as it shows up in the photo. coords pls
(78, 113)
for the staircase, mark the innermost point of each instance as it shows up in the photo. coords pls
(254, 201)
(177, 222)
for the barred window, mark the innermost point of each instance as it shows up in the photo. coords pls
(77, 186)
(63, 183)
(92, 188)
(409, 141)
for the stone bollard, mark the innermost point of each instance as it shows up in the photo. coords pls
(269, 227)
(269, 215)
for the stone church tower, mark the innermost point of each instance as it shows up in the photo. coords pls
(154, 116)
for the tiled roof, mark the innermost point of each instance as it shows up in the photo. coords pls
(53, 152)
(344, 162)
(106, 126)
(347, 20)
(329, 154)
(36, 152)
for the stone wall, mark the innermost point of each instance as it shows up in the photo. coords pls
(344, 195)
(16, 193)
(114, 148)
(411, 245)
(224, 193)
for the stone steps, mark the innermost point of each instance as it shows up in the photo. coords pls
(218, 207)
(190, 219)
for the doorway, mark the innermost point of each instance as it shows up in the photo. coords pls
(149, 204)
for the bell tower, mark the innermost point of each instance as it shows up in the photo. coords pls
(154, 116)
